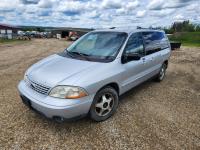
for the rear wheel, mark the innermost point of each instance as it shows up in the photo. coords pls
(104, 104)
(161, 73)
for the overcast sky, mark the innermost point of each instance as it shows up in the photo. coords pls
(97, 13)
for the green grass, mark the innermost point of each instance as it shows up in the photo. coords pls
(187, 38)
(6, 41)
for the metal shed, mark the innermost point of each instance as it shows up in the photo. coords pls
(8, 31)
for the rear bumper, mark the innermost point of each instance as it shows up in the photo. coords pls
(54, 107)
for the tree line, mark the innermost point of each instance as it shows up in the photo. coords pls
(184, 26)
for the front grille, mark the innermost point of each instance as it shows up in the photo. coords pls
(38, 87)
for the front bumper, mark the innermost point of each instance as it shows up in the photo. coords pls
(54, 107)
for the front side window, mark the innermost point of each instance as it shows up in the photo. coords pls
(135, 44)
(98, 45)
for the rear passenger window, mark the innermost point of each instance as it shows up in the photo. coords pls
(154, 42)
(135, 44)
(153, 36)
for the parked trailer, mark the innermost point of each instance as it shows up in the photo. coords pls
(175, 45)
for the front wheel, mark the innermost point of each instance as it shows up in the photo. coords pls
(161, 73)
(104, 104)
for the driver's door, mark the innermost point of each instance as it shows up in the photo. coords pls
(134, 70)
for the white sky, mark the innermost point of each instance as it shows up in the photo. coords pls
(97, 13)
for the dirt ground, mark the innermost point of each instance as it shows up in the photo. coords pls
(153, 115)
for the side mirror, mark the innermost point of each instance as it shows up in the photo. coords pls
(130, 57)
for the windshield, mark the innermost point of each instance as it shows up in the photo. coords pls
(98, 45)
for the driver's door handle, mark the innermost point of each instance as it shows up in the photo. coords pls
(143, 60)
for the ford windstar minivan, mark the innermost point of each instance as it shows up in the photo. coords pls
(88, 77)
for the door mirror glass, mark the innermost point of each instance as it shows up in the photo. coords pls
(131, 57)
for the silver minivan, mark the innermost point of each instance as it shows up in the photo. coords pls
(88, 77)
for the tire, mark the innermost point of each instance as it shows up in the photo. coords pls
(104, 104)
(161, 75)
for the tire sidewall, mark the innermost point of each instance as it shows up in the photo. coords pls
(163, 67)
(92, 112)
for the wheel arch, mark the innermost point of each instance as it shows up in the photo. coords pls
(114, 85)
(166, 62)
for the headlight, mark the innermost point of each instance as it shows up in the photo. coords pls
(25, 78)
(67, 92)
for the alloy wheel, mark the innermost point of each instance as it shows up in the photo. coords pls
(104, 105)
(162, 73)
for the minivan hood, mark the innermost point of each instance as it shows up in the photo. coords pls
(54, 69)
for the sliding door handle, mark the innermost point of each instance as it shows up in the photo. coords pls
(152, 58)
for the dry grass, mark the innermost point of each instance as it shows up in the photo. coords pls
(153, 115)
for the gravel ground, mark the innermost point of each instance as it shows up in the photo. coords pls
(153, 115)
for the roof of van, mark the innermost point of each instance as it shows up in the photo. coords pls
(127, 30)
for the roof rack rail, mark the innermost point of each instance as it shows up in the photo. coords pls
(158, 28)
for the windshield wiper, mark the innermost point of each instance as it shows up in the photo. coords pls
(85, 56)
(80, 54)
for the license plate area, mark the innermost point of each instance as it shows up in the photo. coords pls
(26, 101)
